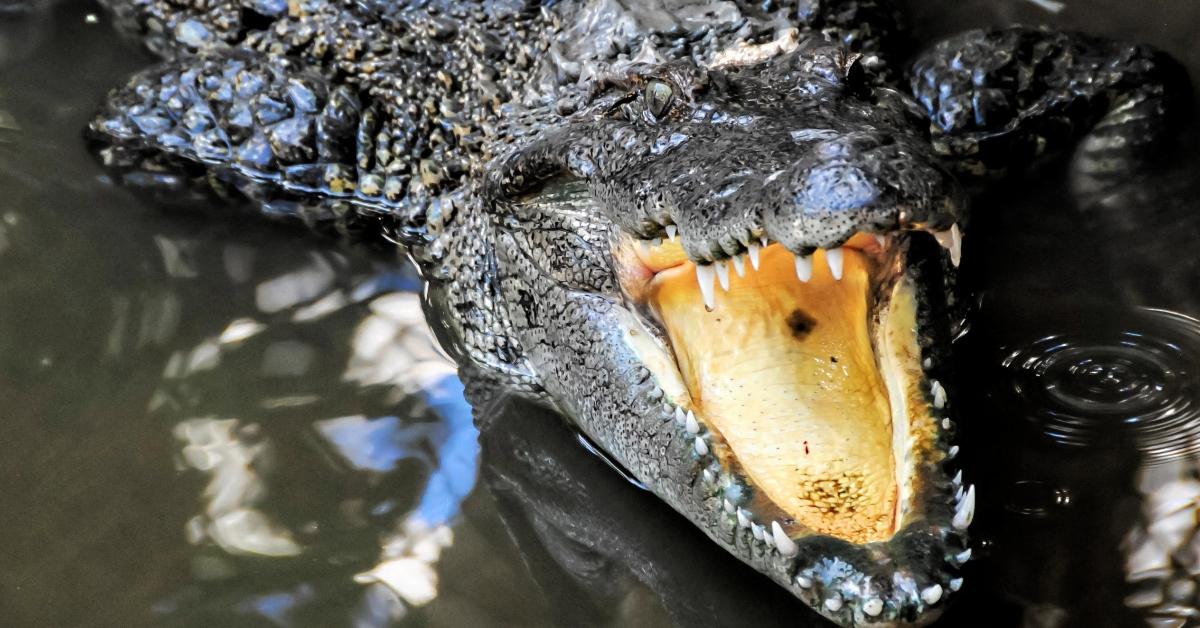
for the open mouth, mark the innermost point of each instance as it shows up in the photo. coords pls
(802, 375)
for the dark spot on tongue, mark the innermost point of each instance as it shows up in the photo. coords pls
(800, 323)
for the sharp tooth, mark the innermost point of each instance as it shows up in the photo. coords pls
(931, 594)
(679, 415)
(939, 394)
(729, 508)
(690, 423)
(764, 241)
(880, 240)
(786, 546)
(952, 453)
(743, 518)
(965, 513)
(671, 231)
(834, 604)
(701, 446)
(873, 607)
(768, 538)
(722, 274)
(804, 267)
(757, 531)
(833, 257)
(962, 557)
(709, 476)
(955, 584)
(958, 478)
(739, 265)
(705, 275)
(958, 495)
(951, 240)
(753, 249)
(947, 424)
(804, 581)
(955, 244)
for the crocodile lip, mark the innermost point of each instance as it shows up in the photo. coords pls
(807, 385)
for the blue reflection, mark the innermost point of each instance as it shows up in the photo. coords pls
(379, 444)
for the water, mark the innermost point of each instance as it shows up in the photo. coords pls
(208, 420)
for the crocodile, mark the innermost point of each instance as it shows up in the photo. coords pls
(721, 238)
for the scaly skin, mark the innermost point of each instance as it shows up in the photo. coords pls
(510, 145)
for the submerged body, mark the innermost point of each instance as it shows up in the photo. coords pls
(711, 235)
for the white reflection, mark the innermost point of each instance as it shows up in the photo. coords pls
(394, 346)
(240, 329)
(231, 519)
(407, 567)
(1162, 551)
(296, 287)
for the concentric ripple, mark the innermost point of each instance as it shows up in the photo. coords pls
(1137, 385)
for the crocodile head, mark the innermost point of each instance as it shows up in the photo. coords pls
(730, 278)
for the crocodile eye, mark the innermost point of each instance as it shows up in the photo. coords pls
(658, 98)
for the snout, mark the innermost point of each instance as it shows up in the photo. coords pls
(860, 182)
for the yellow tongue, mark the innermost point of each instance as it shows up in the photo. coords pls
(785, 373)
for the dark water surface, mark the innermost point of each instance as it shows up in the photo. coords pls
(206, 420)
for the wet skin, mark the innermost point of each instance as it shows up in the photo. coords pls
(533, 160)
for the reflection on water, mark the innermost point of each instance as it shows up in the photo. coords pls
(1092, 387)
(209, 421)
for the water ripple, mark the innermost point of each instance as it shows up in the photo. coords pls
(1137, 384)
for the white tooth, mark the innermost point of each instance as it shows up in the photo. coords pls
(709, 476)
(739, 265)
(947, 424)
(833, 257)
(952, 453)
(955, 584)
(701, 446)
(804, 267)
(768, 538)
(958, 495)
(786, 546)
(880, 240)
(931, 594)
(955, 244)
(757, 531)
(729, 507)
(834, 604)
(951, 240)
(764, 241)
(753, 249)
(958, 478)
(705, 275)
(963, 557)
(743, 518)
(671, 231)
(656, 242)
(939, 394)
(965, 512)
(804, 581)
(680, 417)
(873, 607)
(690, 423)
(722, 274)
